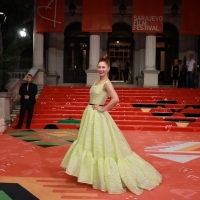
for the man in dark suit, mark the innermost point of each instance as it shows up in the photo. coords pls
(28, 92)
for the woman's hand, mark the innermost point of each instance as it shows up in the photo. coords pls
(98, 108)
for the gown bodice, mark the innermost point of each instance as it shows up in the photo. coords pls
(97, 94)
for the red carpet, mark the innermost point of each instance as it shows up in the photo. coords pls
(161, 125)
(176, 156)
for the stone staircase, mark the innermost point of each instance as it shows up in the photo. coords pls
(153, 109)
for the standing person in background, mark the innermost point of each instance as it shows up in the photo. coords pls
(182, 78)
(175, 73)
(28, 92)
(127, 70)
(114, 70)
(123, 75)
(101, 156)
(191, 65)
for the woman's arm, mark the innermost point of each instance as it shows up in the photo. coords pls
(113, 95)
(114, 98)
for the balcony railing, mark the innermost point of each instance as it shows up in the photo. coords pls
(18, 74)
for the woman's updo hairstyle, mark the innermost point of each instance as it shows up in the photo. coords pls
(105, 59)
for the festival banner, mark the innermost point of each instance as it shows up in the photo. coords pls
(50, 15)
(189, 17)
(148, 16)
(97, 16)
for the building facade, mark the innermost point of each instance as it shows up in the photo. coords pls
(71, 56)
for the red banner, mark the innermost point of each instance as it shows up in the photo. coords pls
(148, 16)
(97, 16)
(50, 15)
(189, 17)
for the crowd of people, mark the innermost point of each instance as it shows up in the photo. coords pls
(119, 70)
(184, 73)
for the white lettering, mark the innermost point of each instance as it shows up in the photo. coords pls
(142, 22)
(143, 26)
(148, 18)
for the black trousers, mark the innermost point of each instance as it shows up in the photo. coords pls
(29, 108)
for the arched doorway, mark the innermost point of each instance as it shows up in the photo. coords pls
(166, 51)
(120, 44)
(76, 54)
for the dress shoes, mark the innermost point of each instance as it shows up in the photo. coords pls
(16, 127)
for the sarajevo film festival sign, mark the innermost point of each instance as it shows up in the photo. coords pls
(148, 17)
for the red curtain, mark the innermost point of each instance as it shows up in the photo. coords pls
(148, 16)
(189, 17)
(50, 15)
(97, 16)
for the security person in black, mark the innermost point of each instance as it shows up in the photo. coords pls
(28, 92)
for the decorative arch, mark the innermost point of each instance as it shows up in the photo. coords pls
(169, 31)
(75, 30)
(121, 29)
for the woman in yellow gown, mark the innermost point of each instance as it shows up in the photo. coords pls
(101, 155)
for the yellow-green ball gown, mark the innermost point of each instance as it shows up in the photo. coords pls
(102, 157)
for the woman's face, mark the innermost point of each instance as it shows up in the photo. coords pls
(103, 69)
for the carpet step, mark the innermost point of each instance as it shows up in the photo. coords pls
(161, 109)
(125, 122)
(121, 106)
(122, 102)
(57, 115)
(121, 127)
(189, 113)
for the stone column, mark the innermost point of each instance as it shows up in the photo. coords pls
(150, 72)
(52, 77)
(38, 48)
(94, 55)
(52, 65)
(38, 55)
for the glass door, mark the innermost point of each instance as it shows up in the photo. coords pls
(171, 53)
(76, 59)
